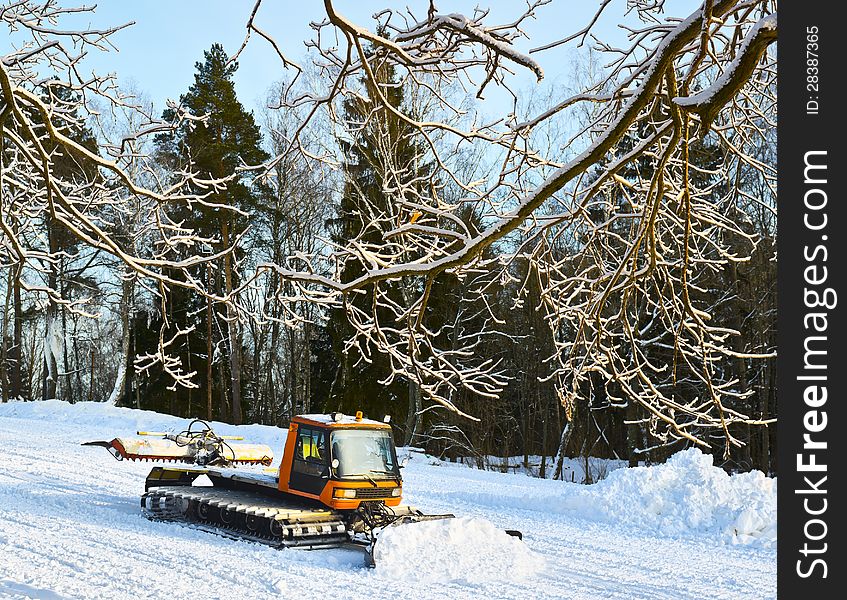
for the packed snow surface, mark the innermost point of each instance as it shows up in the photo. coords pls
(70, 527)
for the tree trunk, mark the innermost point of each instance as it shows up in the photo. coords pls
(91, 378)
(65, 372)
(770, 433)
(127, 303)
(525, 422)
(543, 469)
(235, 365)
(234, 331)
(339, 382)
(72, 393)
(4, 353)
(292, 367)
(189, 409)
(16, 387)
(258, 401)
(413, 418)
(32, 367)
(307, 367)
(271, 391)
(209, 350)
(132, 381)
(564, 440)
(223, 382)
(50, 372)
(740, 366)
(633, 433)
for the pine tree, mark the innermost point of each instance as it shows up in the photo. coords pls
(227, 139)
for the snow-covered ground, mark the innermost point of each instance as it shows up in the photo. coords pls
(70, 527)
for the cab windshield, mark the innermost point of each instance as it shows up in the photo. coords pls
(365, 453)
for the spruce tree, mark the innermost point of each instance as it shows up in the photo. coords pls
(382, 158)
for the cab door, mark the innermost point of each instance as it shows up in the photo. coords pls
(310, 464)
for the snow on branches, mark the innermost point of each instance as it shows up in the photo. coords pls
(67, 192)
(620, 236)
(623, 237)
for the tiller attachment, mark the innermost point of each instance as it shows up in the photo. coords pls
(196, 445)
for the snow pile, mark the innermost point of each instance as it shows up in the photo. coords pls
(466, 550)
(686, 495)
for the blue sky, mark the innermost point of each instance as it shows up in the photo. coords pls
(158, 52)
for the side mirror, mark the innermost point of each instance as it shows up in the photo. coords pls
(335, 463)
(405, 460)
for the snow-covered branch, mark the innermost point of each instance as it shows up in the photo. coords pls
(624, 234)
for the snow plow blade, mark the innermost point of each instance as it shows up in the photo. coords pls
(404, 515)
(405, 539)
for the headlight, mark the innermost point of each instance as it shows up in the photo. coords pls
(343, 493)
(395, 492)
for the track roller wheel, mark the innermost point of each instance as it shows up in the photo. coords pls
(275, 528)
(199, 511)
(227, 516)
(253, 523)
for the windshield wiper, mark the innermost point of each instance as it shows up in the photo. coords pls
(387, 474)
(366, 476)
(391, 473)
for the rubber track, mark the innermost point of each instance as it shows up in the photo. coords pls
(246, 515)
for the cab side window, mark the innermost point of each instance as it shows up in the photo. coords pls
(310, 453)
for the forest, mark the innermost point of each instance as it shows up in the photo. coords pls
(591, 273)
